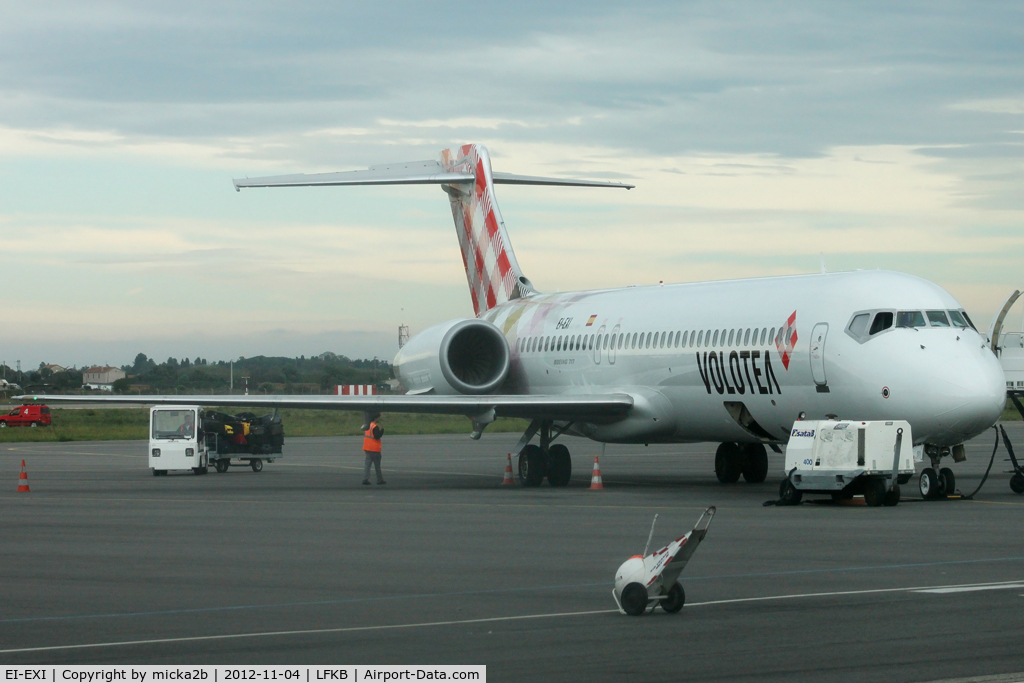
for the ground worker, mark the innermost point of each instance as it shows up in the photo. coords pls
(371, 446)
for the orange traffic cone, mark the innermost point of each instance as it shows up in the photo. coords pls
(508, 480)
(23, 480)
(595, 480)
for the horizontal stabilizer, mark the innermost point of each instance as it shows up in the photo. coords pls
(429, 172)
(465, 174)
(513, 179)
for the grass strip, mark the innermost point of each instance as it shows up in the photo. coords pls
(118, 424)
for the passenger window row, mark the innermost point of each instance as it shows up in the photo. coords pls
(866, 324)
(652, 340)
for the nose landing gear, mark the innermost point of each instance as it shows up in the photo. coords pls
(938, 482)
(935, 485)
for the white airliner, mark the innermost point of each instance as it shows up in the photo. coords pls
(734, 362)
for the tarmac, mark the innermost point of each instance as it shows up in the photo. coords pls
(301, 564)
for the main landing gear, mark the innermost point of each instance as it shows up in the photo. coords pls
(546, 460)
(938, 482)
(734, 459)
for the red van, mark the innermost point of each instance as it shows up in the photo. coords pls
(26, 415)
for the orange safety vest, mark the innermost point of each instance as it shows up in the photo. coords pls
(369, 443)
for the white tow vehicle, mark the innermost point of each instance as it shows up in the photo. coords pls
(847, 457)
(176, 440)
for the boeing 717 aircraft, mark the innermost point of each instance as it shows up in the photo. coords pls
(734, 362)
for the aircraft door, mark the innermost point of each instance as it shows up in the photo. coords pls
(612, 344)
(818, 353)
(598, 339)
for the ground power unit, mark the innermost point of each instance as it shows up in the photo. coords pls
(845, 458)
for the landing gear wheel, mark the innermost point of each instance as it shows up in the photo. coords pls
(728, 463)
(531, 466)
(892, 497)
(1017, 483)
(929, 484)
(559, 465)
(221, 464)
(256, 464)
(634, 599)
(874, 492)
(676, 597)
(755, 464)
(947, 482)
(159, 473)
(789, 494)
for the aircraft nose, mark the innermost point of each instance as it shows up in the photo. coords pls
(980, 389)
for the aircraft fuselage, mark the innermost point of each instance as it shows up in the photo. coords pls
(740, 360)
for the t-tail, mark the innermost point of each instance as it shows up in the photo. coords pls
(465, 174)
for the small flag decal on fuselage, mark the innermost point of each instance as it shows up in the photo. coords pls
(591, 321)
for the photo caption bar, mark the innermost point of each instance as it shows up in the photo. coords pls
(260, 674)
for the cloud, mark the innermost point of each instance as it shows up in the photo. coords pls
(757, 135)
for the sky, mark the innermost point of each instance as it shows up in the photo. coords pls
(762, 137)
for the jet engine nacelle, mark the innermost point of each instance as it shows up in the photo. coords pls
(466, 356)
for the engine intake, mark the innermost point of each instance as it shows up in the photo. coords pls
(467, 356)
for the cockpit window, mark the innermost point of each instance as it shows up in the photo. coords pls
(859, 324)
(968, 319)
(937, 319)
(864, 325)
(957, 318)
(883, 321)
(910, 319)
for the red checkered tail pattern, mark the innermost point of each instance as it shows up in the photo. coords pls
(492, 271)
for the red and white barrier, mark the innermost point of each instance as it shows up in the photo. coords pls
(356, 389)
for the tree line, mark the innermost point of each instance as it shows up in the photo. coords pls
(266, 374)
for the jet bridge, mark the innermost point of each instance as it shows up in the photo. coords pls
(1009, 349)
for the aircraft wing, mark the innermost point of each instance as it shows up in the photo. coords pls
(556, 407)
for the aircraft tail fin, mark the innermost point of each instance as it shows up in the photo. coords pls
(464, 173)
(492, 271)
